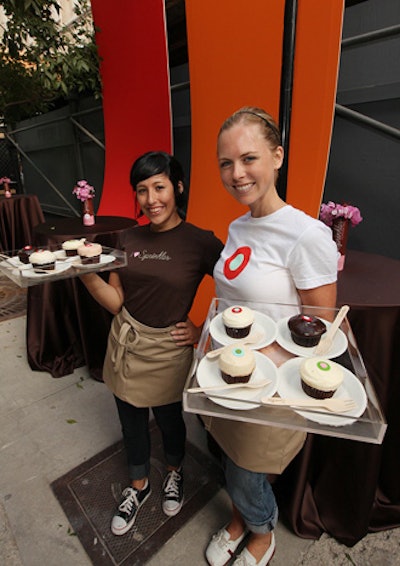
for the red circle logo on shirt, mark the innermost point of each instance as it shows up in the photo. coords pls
(235, 264)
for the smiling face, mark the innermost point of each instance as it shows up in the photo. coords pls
(156, 198)
(248, 167)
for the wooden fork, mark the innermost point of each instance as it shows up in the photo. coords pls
(240, 342)
(222, 387)
(331, 405)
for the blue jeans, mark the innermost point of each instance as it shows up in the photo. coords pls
(252, 495)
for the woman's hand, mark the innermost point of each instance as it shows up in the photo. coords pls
(186, 333)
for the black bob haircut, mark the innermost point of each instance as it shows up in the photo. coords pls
(156, 163)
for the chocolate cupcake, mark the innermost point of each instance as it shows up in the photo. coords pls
(89, 253)
(306, 330)
(42, 260)
(25, 253)
(71, 246)
(238, 321)
(320, 378)
(236, 364)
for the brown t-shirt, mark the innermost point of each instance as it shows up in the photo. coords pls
(164, 270)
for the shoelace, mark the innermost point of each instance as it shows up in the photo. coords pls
(131, 499)
(172, 486)
(220, 540)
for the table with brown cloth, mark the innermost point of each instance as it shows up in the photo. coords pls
(66, 328)
(19, 214)
(342, 487)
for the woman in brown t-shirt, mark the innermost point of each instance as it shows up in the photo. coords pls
(150, 345)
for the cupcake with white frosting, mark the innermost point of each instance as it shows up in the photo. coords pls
(236, 363)
(238, 321)
(320, 378)
(89, 253)
(42, 260)
(71, 246)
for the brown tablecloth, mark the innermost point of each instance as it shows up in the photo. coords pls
(66, 328)
(18, 216)
(343, 487)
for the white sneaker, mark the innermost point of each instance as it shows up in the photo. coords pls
(221, 547)
(245, 558)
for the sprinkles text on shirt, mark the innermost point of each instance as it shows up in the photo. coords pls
(143, 255)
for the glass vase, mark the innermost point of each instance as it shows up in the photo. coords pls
(88, 212)
(340, 232)
(7, 190)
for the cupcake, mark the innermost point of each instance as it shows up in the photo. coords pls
(89, 253)
(25, 253)
(71, 246)
(320, 378)
(306, 330)
(238, 321)
(42, 260)
(236, 364)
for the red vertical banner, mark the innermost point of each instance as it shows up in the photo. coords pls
(132, 43)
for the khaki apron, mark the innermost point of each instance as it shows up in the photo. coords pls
(258, 448)
(143, 365)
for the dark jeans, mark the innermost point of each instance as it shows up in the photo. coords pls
(136, 434)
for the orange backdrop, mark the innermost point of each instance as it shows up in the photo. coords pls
(235, 58)
(235, 54)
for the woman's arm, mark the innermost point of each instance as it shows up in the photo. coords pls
(324, 296)
(109, 295)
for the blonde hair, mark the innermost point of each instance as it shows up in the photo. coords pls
(255, 115)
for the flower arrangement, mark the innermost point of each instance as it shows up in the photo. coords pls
(83, 190)
(5, 180)
(330, 211)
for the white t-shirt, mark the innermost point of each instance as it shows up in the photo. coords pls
(266, 259)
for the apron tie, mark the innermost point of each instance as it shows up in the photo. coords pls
(122, 343)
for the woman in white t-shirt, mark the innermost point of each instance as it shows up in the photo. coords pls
(274, 254)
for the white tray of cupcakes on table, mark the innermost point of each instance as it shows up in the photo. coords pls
(286, 366)
(33, 265)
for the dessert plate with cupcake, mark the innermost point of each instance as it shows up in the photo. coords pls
(91, 256)
(300, 334)
(44, 263)
(69, 249)
(321, 378)
(237, 364)
(238, 322)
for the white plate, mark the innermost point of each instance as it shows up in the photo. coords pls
(285, 340)
(208, 375)
(104, 259)
(289, 385)
(263, 325)
(16, 262)
(59, 268)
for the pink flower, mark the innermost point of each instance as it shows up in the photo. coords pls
(83, 190)
(330, 211)
(5, 180)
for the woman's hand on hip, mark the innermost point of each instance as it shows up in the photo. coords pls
(186, 333)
